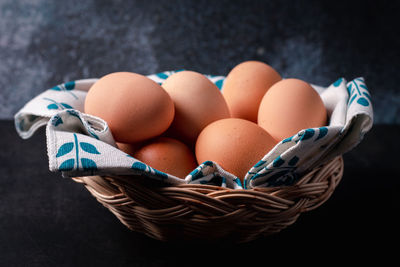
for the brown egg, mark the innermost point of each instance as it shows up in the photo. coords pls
(235, 144)
(245, 86)
(290, 106)
(198, 102)
(128, 148)
(167, 155)
(135, 107)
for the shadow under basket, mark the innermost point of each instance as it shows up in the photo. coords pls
(209, 213)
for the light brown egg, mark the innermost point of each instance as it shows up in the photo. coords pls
(135, 107)
(128, 148)
(245, 86)
(235, 144)
(290, 106)
(167, 155)
(198, 102)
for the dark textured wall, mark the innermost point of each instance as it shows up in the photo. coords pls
(44, 43)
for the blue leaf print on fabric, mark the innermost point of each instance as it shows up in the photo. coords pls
(278, 162)
(89, 148)
(223, 182)
(139, 166)
(356, 93)
(56, 105)
(65, 149)
(56, 88)
(69, 85)
(66, 106)
(363, 86)
(352, 91)
(196, 174)
(362, 101)
(88, 164)
(287, 140)
(322, 132)
(219, 83)
(93, 134)
(52, 106)
(160, 174)
(76, 115)
(338, 82)
(238, 182)
(57, 121)
(367, 95)
(349, 87)
(352, 99)
(307, 134)
(208, 163)
(162, 75)
(67, 165)
(66, 87)
(258, 164)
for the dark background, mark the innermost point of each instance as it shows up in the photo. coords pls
(44, 43)
(46, 220)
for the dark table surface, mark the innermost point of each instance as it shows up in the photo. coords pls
(47, 220)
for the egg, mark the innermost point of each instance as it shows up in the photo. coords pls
(235, 144)
(128, 148)
(134, 107)
(167, 155)
(289, 106)
(198, 102)
(245, 86)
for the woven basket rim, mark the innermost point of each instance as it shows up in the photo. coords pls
(187, 211)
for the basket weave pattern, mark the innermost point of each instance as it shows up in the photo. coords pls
(207, 212)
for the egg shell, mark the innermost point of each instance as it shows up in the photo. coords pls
(245, 86)
(290, 106)
(167, 155)
(128, 148)
(235, 144)
(134, 107)
(198, 102)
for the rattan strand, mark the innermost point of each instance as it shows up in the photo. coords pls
(206, 212)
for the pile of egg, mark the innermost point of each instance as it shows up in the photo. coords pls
(175, 126)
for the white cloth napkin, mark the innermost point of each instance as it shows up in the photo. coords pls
(79, 144)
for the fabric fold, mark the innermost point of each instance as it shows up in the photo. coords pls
(80, 144)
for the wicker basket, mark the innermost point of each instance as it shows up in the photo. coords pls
(206, 212)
